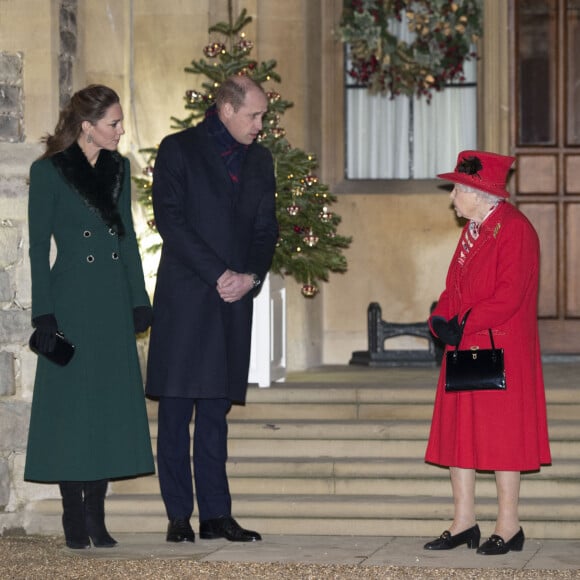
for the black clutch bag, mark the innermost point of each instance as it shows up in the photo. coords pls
(62, 352)
(476, 369)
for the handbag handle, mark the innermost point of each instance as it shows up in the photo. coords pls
(491, 339)
(463, 326)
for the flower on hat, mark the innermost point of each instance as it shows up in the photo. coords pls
(470, 165)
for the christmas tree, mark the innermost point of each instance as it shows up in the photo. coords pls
(309, 247)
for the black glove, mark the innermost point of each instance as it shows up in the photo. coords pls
(449, 331)
(142, 318)
(46, 329)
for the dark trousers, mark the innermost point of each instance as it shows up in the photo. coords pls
(210, 453)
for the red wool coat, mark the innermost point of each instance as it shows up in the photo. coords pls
(495, 430)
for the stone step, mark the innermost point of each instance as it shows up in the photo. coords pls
(392, 393)
(265, 447)
(360, 515)
(560, 430)
(332, 411)
(405, 476)
(283, 401)
(273, 411)
(404, 487)
(343, 454)
(361, 411)
(401, 430)
(366, 467)
(356, 448)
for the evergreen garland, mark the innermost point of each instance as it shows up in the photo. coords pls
(443, 32)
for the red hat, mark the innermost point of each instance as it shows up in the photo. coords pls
(482, 170)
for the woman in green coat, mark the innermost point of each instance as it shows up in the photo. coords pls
(88, 420)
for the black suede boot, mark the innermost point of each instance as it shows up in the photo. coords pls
(95, 492)
(73, 516)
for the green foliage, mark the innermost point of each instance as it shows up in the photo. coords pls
(443, 33)
(309, 247)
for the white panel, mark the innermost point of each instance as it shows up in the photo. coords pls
(268, 353)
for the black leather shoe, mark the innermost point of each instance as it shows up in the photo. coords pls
(496, 545)
(180, 530)
(446, 541)
(104, 540)
(74, 545)
(226, 527)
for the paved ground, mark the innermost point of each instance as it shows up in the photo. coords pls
(282, 557)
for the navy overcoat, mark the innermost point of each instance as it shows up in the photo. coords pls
(199, 344)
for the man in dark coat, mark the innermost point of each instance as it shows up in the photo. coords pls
(214, 203)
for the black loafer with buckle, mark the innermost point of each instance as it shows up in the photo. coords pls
(446, 541)
(496, 545)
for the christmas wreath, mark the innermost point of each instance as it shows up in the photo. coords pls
(443, 33)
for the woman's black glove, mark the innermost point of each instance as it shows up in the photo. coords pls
(142, 318)
(449, 331)
(46, 329)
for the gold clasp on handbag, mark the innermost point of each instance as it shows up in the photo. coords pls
(474, 350)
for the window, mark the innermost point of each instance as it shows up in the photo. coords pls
(407, 137)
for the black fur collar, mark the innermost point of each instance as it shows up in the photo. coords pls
(99, 186)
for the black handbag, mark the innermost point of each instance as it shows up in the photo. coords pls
(476, 369)
(61, 354)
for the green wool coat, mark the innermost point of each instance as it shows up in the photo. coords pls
(88, 419)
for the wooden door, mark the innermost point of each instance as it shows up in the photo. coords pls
(545, 135)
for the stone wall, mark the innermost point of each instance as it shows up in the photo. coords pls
(17, 363)
(29, 96)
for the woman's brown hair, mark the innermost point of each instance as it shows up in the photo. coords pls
(88, 104)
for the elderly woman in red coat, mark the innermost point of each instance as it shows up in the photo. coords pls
(493, 275)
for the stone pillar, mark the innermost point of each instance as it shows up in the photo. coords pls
(11, 101)
(494, 111)
(68, 49)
